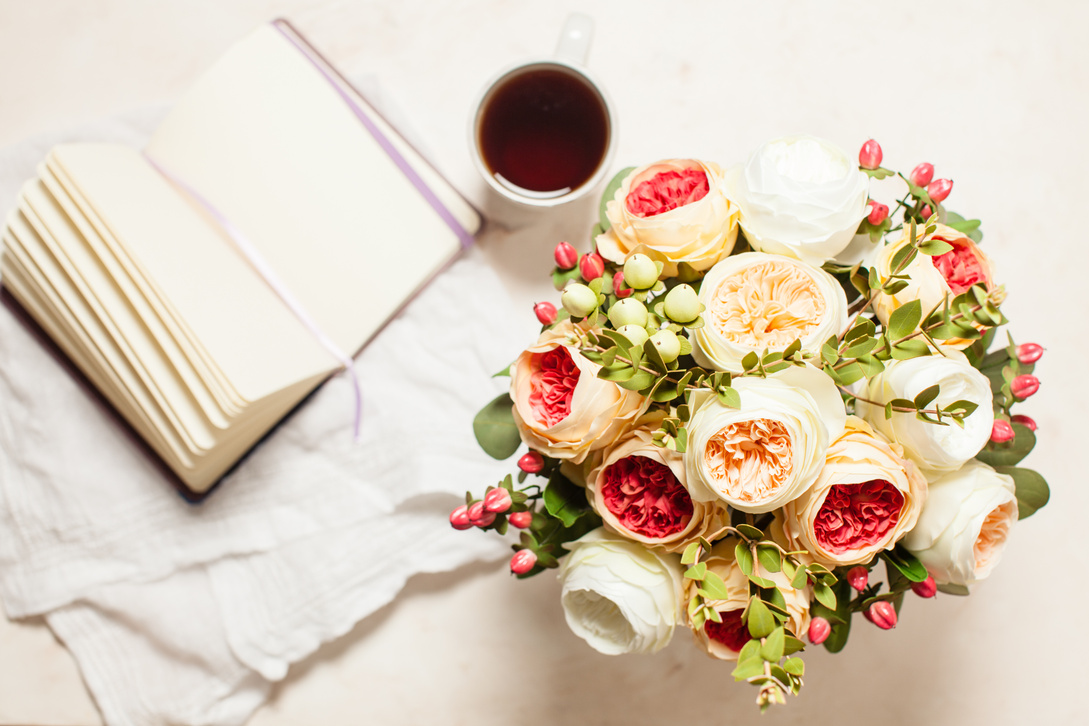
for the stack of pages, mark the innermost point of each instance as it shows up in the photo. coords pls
(129, 260)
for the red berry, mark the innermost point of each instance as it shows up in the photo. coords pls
(882, 614)
(922, 174)
(523, 561)
(819, 630)
(459, 518)
(479, 516)
(521, 520)
(1024, 386)
(939, 189)
(618, 286)
(878, 213)
(565, 255)
(858, 577)
(531, 463)
(1029, 353)
(869, 157)
(497, 500)
(926, 588)
(1024, 420)
(1001, 431)
(591, 266)
(545, 312)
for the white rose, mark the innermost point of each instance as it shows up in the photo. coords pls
(761, 456)
(964, 524)
(936, 449)
(757, 302)
(801, 197)
(619, 596)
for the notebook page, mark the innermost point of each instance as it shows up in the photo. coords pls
(247, 330)
(266, 139)
(117, 316)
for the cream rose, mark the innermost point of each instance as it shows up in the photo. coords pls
(640, 491)
(619, 596)
(932, 279)
(561, 407)
(936, 449)
(672, 211)
(724, 640)
(963, 527)
(757, 302)
(799, 196)
(866, 498)
(766, 453)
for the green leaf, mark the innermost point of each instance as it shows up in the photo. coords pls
(609, 193)
(792, 645)
(495, 430)
(714, 586)
(748, 669)
(618, 373)
(744, 558)
(564, 500)
(505, 373)
(1012, 452)
(799, 579)
(1032, 491)
(750, 652)
(794, 666)
(560, 278)
(638, 381)
(861, 348)
(913, 348)
(697, 571)
(879, 172)
(906, 563)
(960, 224)
(772, 649)
(729, 397)
(951, 589)
(770, 559)
(824, 595)
(935, 247)
(691, 552)
(903, 257)
(750, 361)
(837, 638)
(761, 621)
(926, 396)
(905, 319)
(750, 531)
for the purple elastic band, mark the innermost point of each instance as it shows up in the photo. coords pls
(273, 281)
(421, 186)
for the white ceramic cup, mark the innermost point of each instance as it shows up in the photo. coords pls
(570, 57)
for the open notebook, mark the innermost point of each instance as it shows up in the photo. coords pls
(125, 260)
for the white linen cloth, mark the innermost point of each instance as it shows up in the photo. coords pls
(183, 614)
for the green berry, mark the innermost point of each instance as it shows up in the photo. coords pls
(628, 311)
(640, 272)
(637, 334)
(578, 300)
(668, 345)
(682, 304)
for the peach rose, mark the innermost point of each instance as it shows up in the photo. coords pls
(963, 527)
(724, 640)
(640, 492)
(866, 498)
(932, 279)
(561, 407)
(756, 302)
(759, 457)
(672, 211)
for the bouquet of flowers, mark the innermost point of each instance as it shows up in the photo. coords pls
(762, 384)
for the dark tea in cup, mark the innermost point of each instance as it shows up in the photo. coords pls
(543, 131)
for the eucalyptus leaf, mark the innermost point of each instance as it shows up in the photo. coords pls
(714, 586)
(1031, 489)
(905, 319)
(761, 621)
(494, 428)
(769, 558)
(1011, 452)
(610, 192)
(744, 558)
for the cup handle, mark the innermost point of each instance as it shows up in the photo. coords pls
(574, 43)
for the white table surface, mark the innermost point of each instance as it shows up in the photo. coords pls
(993, 93)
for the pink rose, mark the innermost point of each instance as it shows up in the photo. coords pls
(867, 497)
(561, 407)
(672, 211)
(640, 492)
